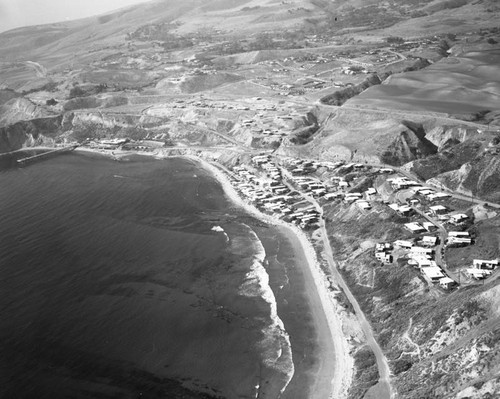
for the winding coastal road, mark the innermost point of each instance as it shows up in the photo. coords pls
(383, 389)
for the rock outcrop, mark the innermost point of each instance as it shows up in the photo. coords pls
(35, 131)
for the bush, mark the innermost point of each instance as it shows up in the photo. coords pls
(401, 365)
(394, 40)
(76, 91)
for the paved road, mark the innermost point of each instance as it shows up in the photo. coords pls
(454, 194)
(383, 387)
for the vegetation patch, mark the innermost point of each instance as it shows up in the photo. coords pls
(367, 374)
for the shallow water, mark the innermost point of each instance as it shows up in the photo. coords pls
(140, 279)
(113, 282)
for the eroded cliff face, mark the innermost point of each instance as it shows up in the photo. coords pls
(41, 131)
(410, 144)
(341, 96)
(444, 136)
(467, 161)
(480, 178)
(21, 109)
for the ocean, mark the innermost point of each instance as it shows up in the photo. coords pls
(140, 279)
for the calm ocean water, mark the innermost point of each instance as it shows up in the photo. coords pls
(114, 284)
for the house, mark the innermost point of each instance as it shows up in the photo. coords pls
(394, 207)
(447, 283)
(463, 234)
(365, 205)
(405, 210)
(277, 188)
(485, 264)
(422, 190)
(429, 226)
(437, 210)
(331, 196)
(383, 247)
(384, 257)
(403, 244)
(428, 241)
(343, 184)
(438, 197)
(433, 273)
(458, 241)
(478, 274)
(260, 159)
(351, 197)
(422, 262)
(415, 228)
(319, 192)
(421, 250)
(458, 218)
(426, 192)
(399, 183)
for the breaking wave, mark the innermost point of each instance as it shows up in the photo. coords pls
(275, 347)
(219, 229)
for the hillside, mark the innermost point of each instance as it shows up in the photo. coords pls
(346, 87)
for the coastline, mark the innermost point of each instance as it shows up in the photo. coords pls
(343, 365)
(337, 366)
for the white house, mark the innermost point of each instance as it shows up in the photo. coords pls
(458, 241)
(403, 244)
(414, 227)
(478, 274)
(485, 264)
(458, 234)
(433, 273)
(458, 218)
(437, 210)
(428, 241)
(421, 250)
(363, 205)
(446, 283)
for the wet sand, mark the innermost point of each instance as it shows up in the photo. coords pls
(302, 312)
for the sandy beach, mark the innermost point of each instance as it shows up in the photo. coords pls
(336, 371)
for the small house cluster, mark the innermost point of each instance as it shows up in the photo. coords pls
(422, 257)
(458, 239)
(481, 269)
(269, 193)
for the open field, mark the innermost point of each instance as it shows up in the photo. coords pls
(460, 85)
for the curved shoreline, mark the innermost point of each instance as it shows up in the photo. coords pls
(343, 370)
(341, 377)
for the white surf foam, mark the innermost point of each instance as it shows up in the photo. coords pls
(219, 229)
(275, 347)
